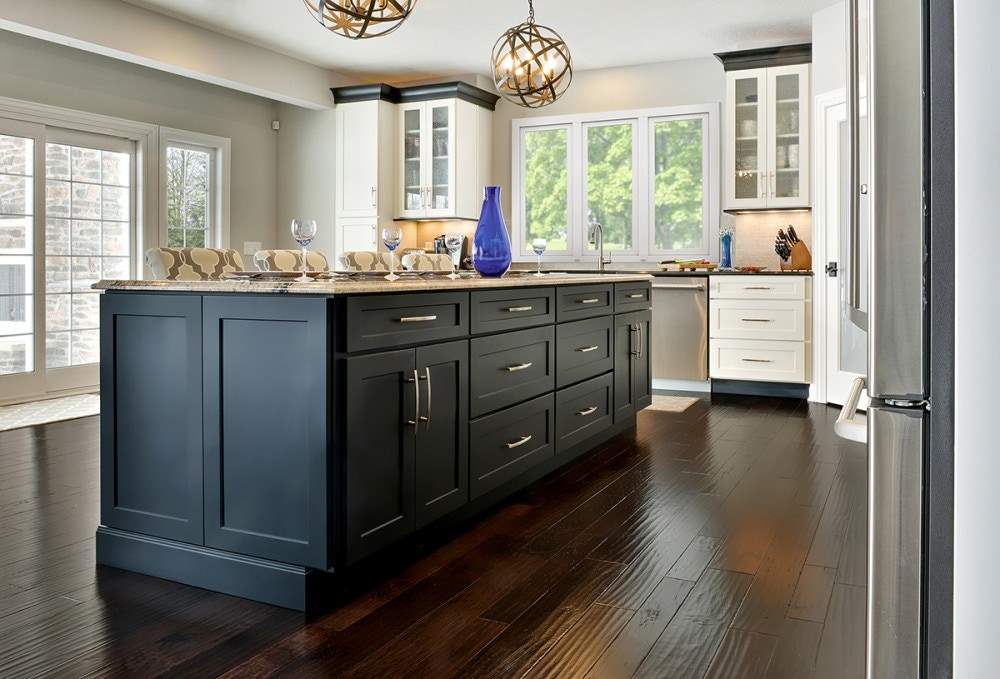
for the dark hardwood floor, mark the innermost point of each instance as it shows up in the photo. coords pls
(725, 541)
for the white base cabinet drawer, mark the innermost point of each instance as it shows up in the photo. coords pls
(758, 319)
(761, 360)
(758, 286)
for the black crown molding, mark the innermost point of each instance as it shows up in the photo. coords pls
(401, 95)
(764, 57)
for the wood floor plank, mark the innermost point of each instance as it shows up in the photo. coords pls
(623, 657)
(812, 593)
(695, 559)
(576, 652)
(743, 655)
(842, 646)
(691, 639)
(795, 653)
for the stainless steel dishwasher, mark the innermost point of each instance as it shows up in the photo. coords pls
(679, 347)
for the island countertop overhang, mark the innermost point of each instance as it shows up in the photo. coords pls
(362, 286)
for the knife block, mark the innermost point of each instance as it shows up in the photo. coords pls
(800, 260)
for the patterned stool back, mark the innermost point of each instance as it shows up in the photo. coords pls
(192, 264)
(363, 260)
(417, 261)
(289, 260)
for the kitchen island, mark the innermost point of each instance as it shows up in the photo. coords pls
(260, 437)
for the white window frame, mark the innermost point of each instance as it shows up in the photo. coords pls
(219, 152)
(578, 249)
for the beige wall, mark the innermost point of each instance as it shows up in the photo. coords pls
(42, 72)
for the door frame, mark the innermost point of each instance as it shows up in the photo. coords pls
(822, 108)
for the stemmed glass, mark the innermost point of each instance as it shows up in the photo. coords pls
(303, 231)
(539, 245)
(453, 243)
(391, 236)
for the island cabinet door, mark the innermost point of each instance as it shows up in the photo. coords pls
(151, 435)
(266, 424)
(381, 413)
(633, 387)
(442, 439)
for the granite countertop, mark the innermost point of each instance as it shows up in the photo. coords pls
(360, 285)
(700, 272)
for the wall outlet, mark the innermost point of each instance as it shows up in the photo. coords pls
(250, 246)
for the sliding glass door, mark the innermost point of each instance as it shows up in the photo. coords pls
(67, 220)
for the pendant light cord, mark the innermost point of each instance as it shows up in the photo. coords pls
(531, 11)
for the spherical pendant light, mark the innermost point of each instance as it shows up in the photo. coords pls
(357, 19)
(531, 64)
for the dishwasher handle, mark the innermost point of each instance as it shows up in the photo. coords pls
(679, 286)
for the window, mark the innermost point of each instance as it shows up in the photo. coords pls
(71, 214)
(648, 177)
(195, 190)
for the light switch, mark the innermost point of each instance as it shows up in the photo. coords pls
(250, 246)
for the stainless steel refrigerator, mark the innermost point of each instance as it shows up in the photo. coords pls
(888, 292)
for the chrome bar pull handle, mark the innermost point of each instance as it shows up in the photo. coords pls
(373, 195)
(416, 397)
(756, 287)
(757, 360)
(587, 350)
(637, 295)
(590, 300)
(417, 319)
(519, 366)
(517, 309)
(427, 420)
(638, 331)
(587, 411)
(521, 442)
(757, 320)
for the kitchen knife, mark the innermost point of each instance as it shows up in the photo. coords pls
(782, 236)
(795, 236)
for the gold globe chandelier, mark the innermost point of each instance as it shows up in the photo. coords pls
(357, 19)
(531, 64)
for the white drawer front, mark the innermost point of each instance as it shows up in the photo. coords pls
(758, 287)
(758, 360)
(758, 319)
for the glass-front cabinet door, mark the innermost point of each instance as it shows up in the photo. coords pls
(427, 161)
(767, 140)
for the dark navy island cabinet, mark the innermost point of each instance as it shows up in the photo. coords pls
(257, 444)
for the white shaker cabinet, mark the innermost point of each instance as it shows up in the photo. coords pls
(767, 137)
(759, 327)
(443, 158)
(364, 157)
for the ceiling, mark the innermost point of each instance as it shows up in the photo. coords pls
(452, 37)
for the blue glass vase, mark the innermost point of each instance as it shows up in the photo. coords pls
(491, 243)
(726, 251)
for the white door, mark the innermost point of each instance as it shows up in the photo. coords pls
(846, 345)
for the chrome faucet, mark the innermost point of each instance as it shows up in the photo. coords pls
(597, 238)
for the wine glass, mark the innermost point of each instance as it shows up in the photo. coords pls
(303, 231)
(539, 245)
(391, 236)
(453, 244)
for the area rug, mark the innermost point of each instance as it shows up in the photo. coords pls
(51, 410)
(672, 404)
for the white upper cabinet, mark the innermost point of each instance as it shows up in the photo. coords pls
(767, 137)
(443, 159)
(364, 156)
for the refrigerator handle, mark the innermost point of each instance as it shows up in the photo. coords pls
(854, 310)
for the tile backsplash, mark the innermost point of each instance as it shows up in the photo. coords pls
(753, 241)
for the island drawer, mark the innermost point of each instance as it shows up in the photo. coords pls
(584, 301)
(503, 310)
(509, 443)
(582, 410)
(584, 349)
(378, 321)
(510, 367)
(633, 296)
